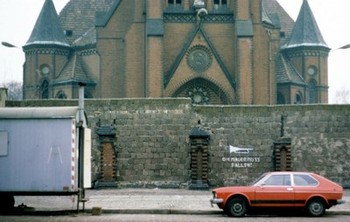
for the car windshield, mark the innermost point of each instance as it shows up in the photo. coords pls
(258, 179)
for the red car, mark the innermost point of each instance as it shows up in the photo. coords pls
(280, 190)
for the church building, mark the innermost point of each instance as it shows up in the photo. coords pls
(221, 52)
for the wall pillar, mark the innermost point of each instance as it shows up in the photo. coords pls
(154, 49)
(108, 158)
(282, 154)
(199, 140)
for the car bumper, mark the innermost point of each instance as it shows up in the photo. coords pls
(216, 201)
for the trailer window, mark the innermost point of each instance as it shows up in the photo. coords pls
(3, 143)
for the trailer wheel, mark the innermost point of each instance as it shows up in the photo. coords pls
(7, 202)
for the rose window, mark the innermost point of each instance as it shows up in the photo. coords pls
(199, 95)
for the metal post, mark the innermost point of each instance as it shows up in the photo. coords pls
(81, 196)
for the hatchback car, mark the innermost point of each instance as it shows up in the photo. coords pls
(280, 190)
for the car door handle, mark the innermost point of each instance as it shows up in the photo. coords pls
(290, 189)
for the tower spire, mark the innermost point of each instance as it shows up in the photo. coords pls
(306, 31)
(47, 29)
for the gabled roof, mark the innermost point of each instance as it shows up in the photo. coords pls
(286, 23)
(79, 16)
(88, 39)
(47, 29)
(265, 16)
(74, 72)
(306, 31)
(103, 19)
(286, 72)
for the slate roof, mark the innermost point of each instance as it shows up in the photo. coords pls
(286, 72)
(79, 16)
(306, 31)
(87, 39)
(275, 12)
(47, 29)
(74, 72)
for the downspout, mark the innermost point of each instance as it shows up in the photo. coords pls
(145, 52)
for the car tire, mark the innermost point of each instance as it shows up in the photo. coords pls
(236, 207)
(316, 208)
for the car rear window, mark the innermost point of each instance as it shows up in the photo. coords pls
(304, 180)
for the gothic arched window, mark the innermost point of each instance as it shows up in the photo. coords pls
(174, 2)
(61, 95)
(298, 98)
(312, 92)
(220, 2)
(202, 92)
(44, 90)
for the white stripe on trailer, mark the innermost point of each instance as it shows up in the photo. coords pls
(73, 155)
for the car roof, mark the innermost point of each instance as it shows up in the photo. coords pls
(289, 172)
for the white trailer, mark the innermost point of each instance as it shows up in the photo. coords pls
(39, 152)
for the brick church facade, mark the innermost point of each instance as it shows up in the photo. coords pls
(213, 51)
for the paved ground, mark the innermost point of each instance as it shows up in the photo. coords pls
(170, 218)
(143, 201)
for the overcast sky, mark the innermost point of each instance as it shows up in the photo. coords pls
(17, 19)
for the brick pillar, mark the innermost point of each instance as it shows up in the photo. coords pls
(199, 140)
(283, 154)
(154, 48)
(245, 45)
(108, 158)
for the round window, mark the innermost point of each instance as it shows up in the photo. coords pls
(311, 71)
(45, 69)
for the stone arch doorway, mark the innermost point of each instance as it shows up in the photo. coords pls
(202, 92)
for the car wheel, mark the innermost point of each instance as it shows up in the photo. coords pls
(316, 208)
(237, 207)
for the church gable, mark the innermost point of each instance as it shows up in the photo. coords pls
(215, 52)
(199, 68)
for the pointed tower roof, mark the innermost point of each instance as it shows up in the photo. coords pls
(306, 31)
(47, 29)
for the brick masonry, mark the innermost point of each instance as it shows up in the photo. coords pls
(153, 149)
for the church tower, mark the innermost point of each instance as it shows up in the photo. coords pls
(46, 52)
(224, 52)
(308, 53)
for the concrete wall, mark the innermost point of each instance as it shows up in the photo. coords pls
(152, 139)
(3, 96)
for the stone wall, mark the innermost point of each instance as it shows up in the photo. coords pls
(152, 144)
(320, 139)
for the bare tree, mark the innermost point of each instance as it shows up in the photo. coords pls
(342, 96)
(14, 90)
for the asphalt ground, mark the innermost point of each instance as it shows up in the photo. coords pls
(137, 201)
